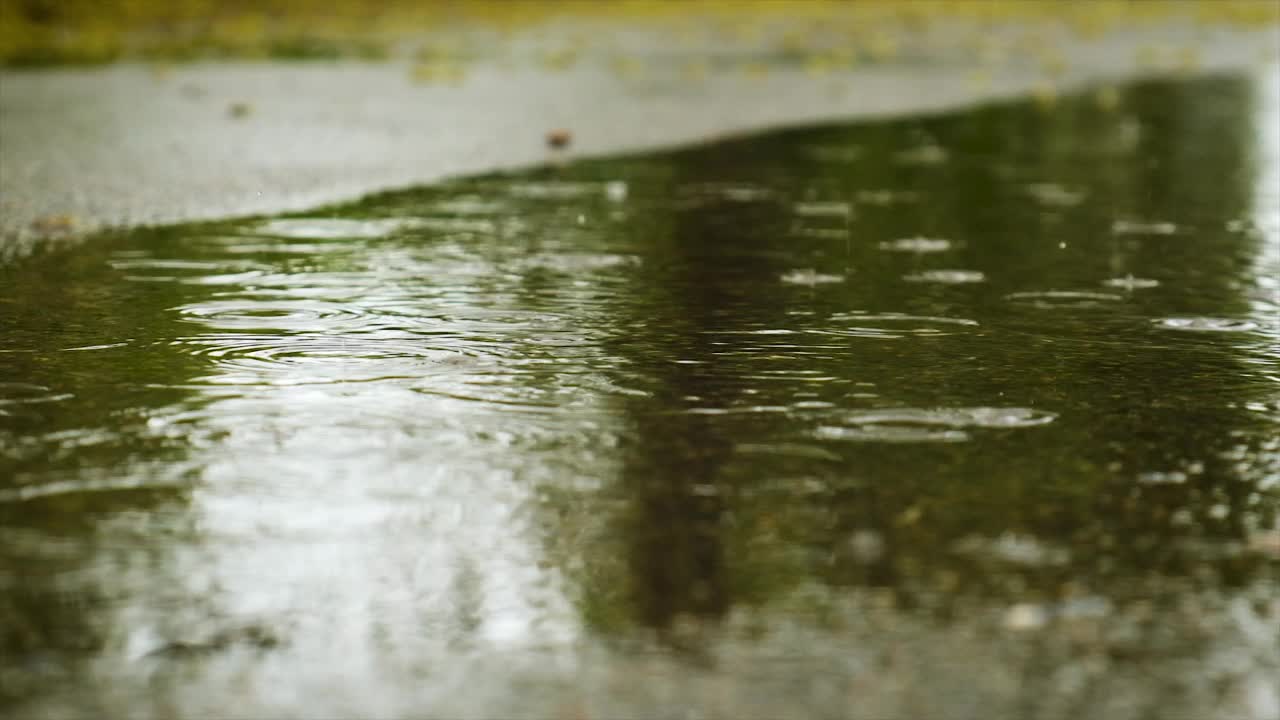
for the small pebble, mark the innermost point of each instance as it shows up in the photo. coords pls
(559, 139)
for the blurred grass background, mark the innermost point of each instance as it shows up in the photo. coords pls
(60, 32)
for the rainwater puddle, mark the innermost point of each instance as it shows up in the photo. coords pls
(897, 402)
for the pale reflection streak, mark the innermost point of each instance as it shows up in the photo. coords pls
(1266, 204)
(369, 524)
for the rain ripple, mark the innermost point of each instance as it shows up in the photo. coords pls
(1063, 298)
(810, 277)
(253, 359)
(295, 315)
(1135, 227)
(947, 277)
(891, 326)
(191, 272)
(1055, 195)
(1206, 324)
(1129, 282)
(16, 393)
(917, 245)
(909, 425)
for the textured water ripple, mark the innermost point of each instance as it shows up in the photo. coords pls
(930, 424)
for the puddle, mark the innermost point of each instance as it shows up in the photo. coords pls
(618, 437)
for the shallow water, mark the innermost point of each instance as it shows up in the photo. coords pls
(794, 425)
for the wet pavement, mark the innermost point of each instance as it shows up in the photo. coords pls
(972, 416)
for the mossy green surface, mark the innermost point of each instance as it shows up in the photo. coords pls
(49, 32)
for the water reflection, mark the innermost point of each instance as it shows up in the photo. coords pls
(879, 399)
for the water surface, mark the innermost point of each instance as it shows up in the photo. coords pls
(794, 425)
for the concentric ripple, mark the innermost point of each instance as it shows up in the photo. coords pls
(1130, 282)
(809, 276)
(895, 325)
(930, 425)
(890, 434)
(947, 277)
(16, 393)
(262, 359)
(287, 315)
(1141, 227)
(1206, 324)
(1050, 299)
(964, 417)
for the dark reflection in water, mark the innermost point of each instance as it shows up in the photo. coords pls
(849, 421)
